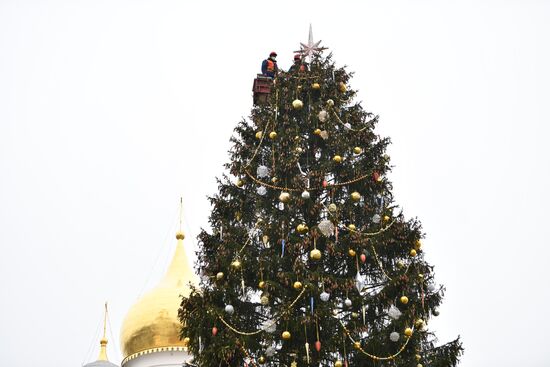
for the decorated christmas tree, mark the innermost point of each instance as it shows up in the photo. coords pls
(310, 262)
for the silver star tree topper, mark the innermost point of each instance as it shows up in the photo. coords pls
(311, 48)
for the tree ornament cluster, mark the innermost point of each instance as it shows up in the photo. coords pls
(309, 260)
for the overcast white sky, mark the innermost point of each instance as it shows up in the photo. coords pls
(112, 110)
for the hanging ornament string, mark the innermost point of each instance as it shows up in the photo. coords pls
(357, 345)
(382, 268)
(275, 187)
(258, 146)
(265, 130)
(273, 322)
(350, 128)
(371, 234)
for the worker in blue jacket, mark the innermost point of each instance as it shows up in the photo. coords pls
(269, 65)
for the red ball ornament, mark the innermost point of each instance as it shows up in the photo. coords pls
(363, 258)
(325, 183)
(214, 331)
(318, 346)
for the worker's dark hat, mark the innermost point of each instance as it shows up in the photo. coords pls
(273, 53)
(297, 57)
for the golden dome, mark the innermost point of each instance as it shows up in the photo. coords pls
(153, 321)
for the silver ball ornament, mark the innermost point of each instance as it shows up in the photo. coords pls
(229, 309)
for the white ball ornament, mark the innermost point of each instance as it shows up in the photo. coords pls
(229, 309)
(261, 190)
(376, 218)
(326, 227)
(306, 195)
(324, 296)
(394, 336)
(394, 312)
(297, 104)
(347, 302)
(270, 351)
(323, 116)
(431, 288)
(262, 171)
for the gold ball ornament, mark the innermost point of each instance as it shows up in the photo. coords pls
(186, 341)
(302, 228)
(299, 150)
(315, 254)
(261, 284)
(297, 104)
(417, 245)
(297, 285)
(337, 159)
(352, 227)
(180, 236)
(259, 135)
(261, 360)
(284, 197)
(274, 179)
(236, 264)
(408, 332)
(342, 87)
(240, 183)
(219, 276)
(286, 335)
(354, 315)
(419, 365)
(404, 300)
(317, 131)
(330, 103)
(272, 135)
(264, 300)
(315, 86)
(338, 363)
(418, 357)
(419, 323)
(351, 252)
(412, 252)
(357, 345)
(355, 196)
(357, 150)
(332, 208)
(386, 218)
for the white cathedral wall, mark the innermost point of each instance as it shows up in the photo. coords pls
(160, 359)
